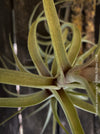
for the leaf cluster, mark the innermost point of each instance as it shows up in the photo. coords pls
(68, 71)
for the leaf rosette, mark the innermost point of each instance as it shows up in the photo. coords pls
(68, 71)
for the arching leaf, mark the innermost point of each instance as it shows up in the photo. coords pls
(25, 101)
(25, 79)
(34, 49)
(56, 35)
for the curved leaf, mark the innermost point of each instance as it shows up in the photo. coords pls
(47, 120)
(14, 64)
(37, 110)
(25, 79)
(33, 14)
(79, 103)
(18, 63)
(26, 101)
(72, 77)
(56, 35)
(81, 58)
(43, 54)
(69, 111)
(54, 109)
(54, 125)
(34, 50)
(75, 44)
(13, 115)
(3, 63)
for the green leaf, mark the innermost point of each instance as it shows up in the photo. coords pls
(56, 35)
(69, 111)
(3, 63)
(79, 103)
(44, 43)
(18, 63)
(88, 41)
(25, 79)
(33, 14)
(75, 44)
(54, 125)
(14, 64)
(54, 68)
(26, 101)
(43, 54)
(83, 57)
(72, 77)
(37, 110)
(34, 49)
(3, 122)
(47, 120)
(78, 95)
(73, 86)
(9, 92)
(43, 36)
(54, 110)
(64, 35)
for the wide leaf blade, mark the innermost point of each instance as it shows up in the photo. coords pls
(69, 111)
(34, 49)
(54, 110)
(56, 35)
(25, 79)
(25, 101)
(75, 43)
(79, 103)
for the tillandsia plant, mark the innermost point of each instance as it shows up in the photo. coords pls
(67, 72)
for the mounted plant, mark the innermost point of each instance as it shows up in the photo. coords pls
(58, 82)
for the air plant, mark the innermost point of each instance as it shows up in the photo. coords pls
(58, 82)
